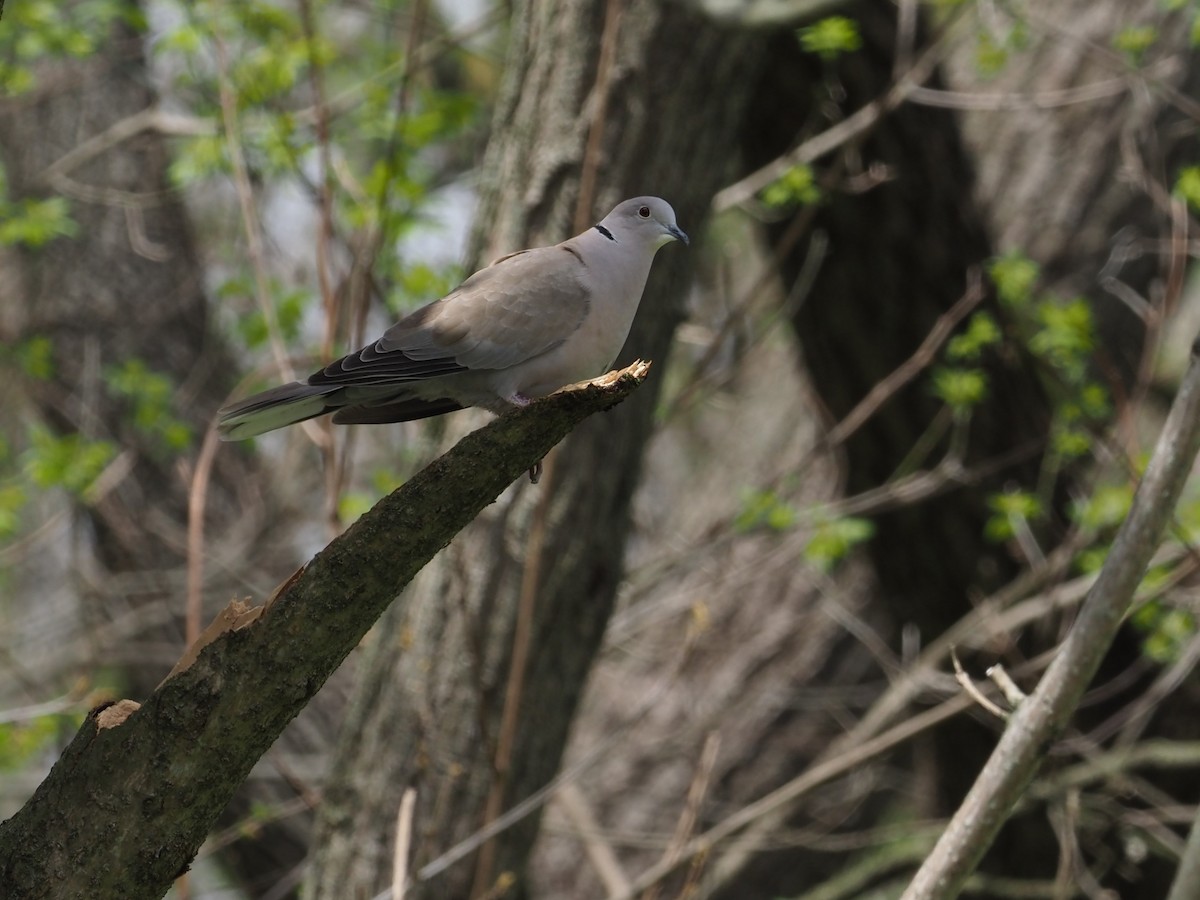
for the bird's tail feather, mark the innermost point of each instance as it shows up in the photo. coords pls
(407, 409)
(280, 406)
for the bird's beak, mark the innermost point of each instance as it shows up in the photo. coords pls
(676, 232)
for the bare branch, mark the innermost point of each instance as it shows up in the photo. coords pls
(404, 828)
(973, 692)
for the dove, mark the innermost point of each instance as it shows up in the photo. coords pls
(528, 324)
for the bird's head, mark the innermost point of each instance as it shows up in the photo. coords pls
(647, 219)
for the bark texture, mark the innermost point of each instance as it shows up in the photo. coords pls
(574, 126)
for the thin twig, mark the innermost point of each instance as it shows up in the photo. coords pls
(600, 854)
(197, 500)
(973, 692)
(1014, 102)
(1009, 688)
(38, 710)
(906, 37)
(404, 823)
(911, 367)
(691, 810)
(1186, 885)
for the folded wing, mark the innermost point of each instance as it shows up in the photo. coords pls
(514, 310)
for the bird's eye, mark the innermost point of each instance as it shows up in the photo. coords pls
(644, 212)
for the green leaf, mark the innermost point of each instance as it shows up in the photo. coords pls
(252, 329)
(1066, 338)
(1093, 402)
(830, 37)
(186, 39)
(1071, 443)
(1166, 630)
(289, 312)
(71, 461)
(150, 395)
(384, 481)
(1135, 40)
(35, 356)
(1010, 509)
(982, 332)
(419, 283)
(12, 500)
(1107, 507)
(14, 79)
(1091, 560)
(33, 223)
(1187, 185)
(352, 504)
(198, 158)
(960, 389)
(796, 187)
(990, 55)
(1014, 276)
(21, 741)
(833, 539)
(764, 509)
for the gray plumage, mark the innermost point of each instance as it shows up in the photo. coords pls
(521, 328)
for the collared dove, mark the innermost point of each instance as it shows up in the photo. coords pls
(523, 327)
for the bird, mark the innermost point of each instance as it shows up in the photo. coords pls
(521, 328)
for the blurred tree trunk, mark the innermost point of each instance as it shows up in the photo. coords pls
(898, 258)
(576, 128)
(901, 253)
(1073, 187)
(129, 287)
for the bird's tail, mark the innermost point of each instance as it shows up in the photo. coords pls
(280, 406)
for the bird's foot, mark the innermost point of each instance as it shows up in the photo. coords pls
(535, 472)
(519, 400)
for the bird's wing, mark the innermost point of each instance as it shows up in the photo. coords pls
(517, 308)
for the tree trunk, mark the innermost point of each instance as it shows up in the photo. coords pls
(576, 129)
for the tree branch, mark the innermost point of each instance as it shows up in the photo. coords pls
(1187, 877)
(128, 804)
(1042, 717)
